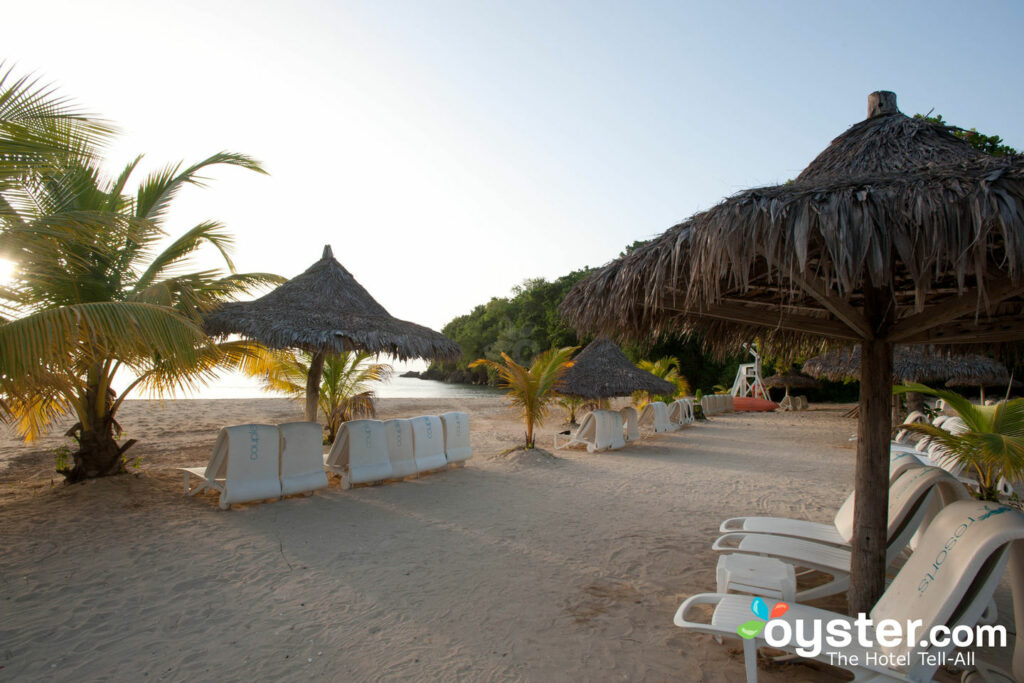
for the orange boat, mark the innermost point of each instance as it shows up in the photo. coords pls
(748, 404)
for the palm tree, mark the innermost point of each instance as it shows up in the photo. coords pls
(345, 392)
(992, 448)
(531, 389)
(92, 294)
(666, 368)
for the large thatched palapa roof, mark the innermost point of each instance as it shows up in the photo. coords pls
(910, 364)
(325, 309)
(601, 370)
(894, 202)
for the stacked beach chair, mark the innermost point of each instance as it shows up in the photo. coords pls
(609, 430)
(927, 508)
(369, 451)
(258, 462)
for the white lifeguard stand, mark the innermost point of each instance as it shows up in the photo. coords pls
(748, 378)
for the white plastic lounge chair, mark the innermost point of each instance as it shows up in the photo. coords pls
(302, 458)
(681, 412)
(400, 448)
(839, 532)
(456, 437)
(910, 506)
(360, 453)
(631, 424)
(245, 465)
(601, 430)
(585, 434)
(975, 540)
(656, 414)
(707, 404)
(428, 443)
(727, 403)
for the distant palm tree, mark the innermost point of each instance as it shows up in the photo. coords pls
(531, 389)
(91, 292)
(991, 449)
(666, 368)
(345, 385)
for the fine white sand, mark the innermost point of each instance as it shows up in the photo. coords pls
(509, 569)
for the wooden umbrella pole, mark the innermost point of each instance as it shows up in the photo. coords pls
(316, 371)
(870, 517)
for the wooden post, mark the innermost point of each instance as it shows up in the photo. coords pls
(870, 515)
(316, 371)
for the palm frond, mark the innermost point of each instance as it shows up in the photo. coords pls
(159, 189)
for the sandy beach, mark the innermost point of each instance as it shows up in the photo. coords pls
(524, 569)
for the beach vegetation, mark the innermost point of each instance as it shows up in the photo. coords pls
(346, 383)
(992, 448)
(667, 368)
(98, 287)
(531, 389)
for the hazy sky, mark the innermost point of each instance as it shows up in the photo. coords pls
(448, 150)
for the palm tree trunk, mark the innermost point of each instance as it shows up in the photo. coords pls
(98, 454)
(316, 371)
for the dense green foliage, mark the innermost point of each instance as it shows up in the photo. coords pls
(989, 144)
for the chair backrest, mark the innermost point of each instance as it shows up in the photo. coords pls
(398, 433)
(908, 496)
(727, 403)
(361, 450)
(656, 413)
(252, 470)
(607, 431)
(456, 436)
(631, 425)
(302, 457)
(952, 575)
(899, 463)
(587, 431)
(428, 443)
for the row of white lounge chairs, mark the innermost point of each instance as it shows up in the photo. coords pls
(927, 507)
(257, 462)
(608, 430)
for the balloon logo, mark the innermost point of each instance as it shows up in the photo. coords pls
(759, 607)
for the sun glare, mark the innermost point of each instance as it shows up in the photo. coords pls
(6, 271)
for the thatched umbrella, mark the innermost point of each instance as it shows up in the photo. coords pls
(997, 377)
(601, 370)
(791, 380)
(898, 233)
(910, 364)
(324, 310)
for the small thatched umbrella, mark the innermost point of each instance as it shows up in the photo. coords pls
(324, 310)
(601, 370)
(998, 377)
(898, 233)
(910, 364)
(791, 380)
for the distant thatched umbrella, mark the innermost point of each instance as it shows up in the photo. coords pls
(790, 380)
(898, 233)
(601, 370)
(324, 310)
(998, 377)
(910, 364)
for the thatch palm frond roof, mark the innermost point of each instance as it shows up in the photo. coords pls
(910, 364)
(894, 202)
(326, 309)
(790, 380)
(601, 370)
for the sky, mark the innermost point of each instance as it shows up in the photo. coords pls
(448, 150)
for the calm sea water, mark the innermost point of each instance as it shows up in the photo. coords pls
(238, 386)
